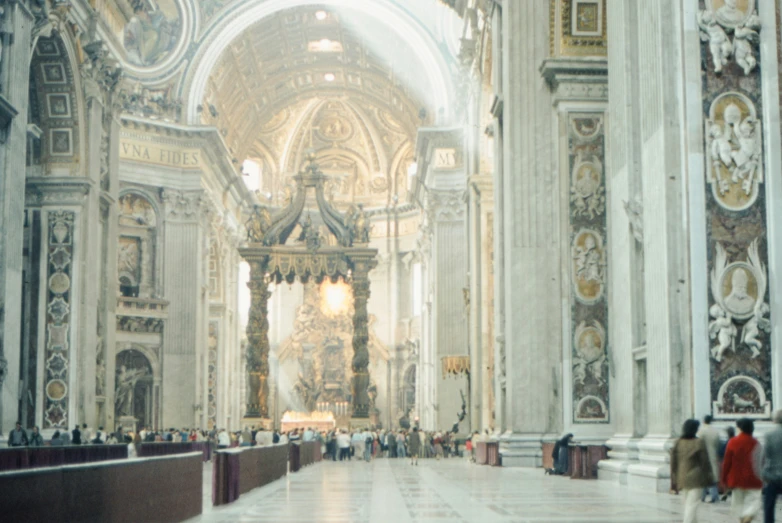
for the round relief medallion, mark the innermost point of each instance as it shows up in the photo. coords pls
(731, 13)
(335, 129)
(59, 283)
(589, 344)
(56, 390)
(739, 290)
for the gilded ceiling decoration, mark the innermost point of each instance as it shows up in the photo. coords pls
(307, 79)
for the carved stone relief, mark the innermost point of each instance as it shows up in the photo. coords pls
(589, 309)
(739, 306)
(733, 149)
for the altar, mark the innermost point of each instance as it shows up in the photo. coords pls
(320, 421)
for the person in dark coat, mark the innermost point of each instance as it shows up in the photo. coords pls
(560, 455)
(76, 436)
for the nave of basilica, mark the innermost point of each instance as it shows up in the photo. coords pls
(516, 217)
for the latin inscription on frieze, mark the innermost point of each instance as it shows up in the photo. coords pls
(150, 153)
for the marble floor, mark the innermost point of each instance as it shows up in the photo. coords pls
(445, 491)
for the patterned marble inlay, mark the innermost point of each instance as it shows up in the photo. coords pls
(391, 490)
(59, 297)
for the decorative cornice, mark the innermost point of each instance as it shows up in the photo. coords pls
(576, 79)
(57, 191)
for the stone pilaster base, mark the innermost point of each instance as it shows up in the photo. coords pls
(521, 450)
(623, 453)
(652, 472)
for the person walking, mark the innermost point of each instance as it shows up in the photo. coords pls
(772, 468)
(691, 469)
(414, 446)
(742, 457)
(711, 438)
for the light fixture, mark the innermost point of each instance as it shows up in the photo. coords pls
(329, 77)
(334, 297)
(325, 44)
(321, 15)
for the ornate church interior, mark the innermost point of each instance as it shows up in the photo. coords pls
(515, 218)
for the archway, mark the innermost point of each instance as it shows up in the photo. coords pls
(392, 17)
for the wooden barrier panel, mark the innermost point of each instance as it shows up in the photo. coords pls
(493, 453)
(583, 460)
(168, 448)
(548, 458)
(166, 489)
(238, 471)
(309, 453)
(20, 458)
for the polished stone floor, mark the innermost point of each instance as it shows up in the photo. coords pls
(445, 491)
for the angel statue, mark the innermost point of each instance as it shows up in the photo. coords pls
(357, 223)
(719, 43)
(723, 330)
(758, 322)
(258, 224)
(745, 37)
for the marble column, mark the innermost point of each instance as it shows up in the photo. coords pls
(481, 301)
(447, 212)
(18, 24)
(530, 256)
(649, 142)
(183, 288)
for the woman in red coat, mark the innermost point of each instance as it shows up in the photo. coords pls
(742, 459)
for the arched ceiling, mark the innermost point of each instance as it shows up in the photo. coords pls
(333, 81)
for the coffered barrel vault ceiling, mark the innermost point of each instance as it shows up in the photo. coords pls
(329, 80)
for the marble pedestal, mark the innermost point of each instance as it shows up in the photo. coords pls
(623, 453)
(128, 424)
(258, 423)
(521, 450)
(652, 472)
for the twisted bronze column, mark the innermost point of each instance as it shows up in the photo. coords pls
(258, 344)
(361, 403)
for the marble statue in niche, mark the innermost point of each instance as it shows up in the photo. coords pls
(126, 383)
(739, 291)
(129, 257)
(587, 194)
(735, 166)
(588, 266)
(152, 31)
(722, 18)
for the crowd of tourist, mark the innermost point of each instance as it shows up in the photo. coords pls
(703, 463)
